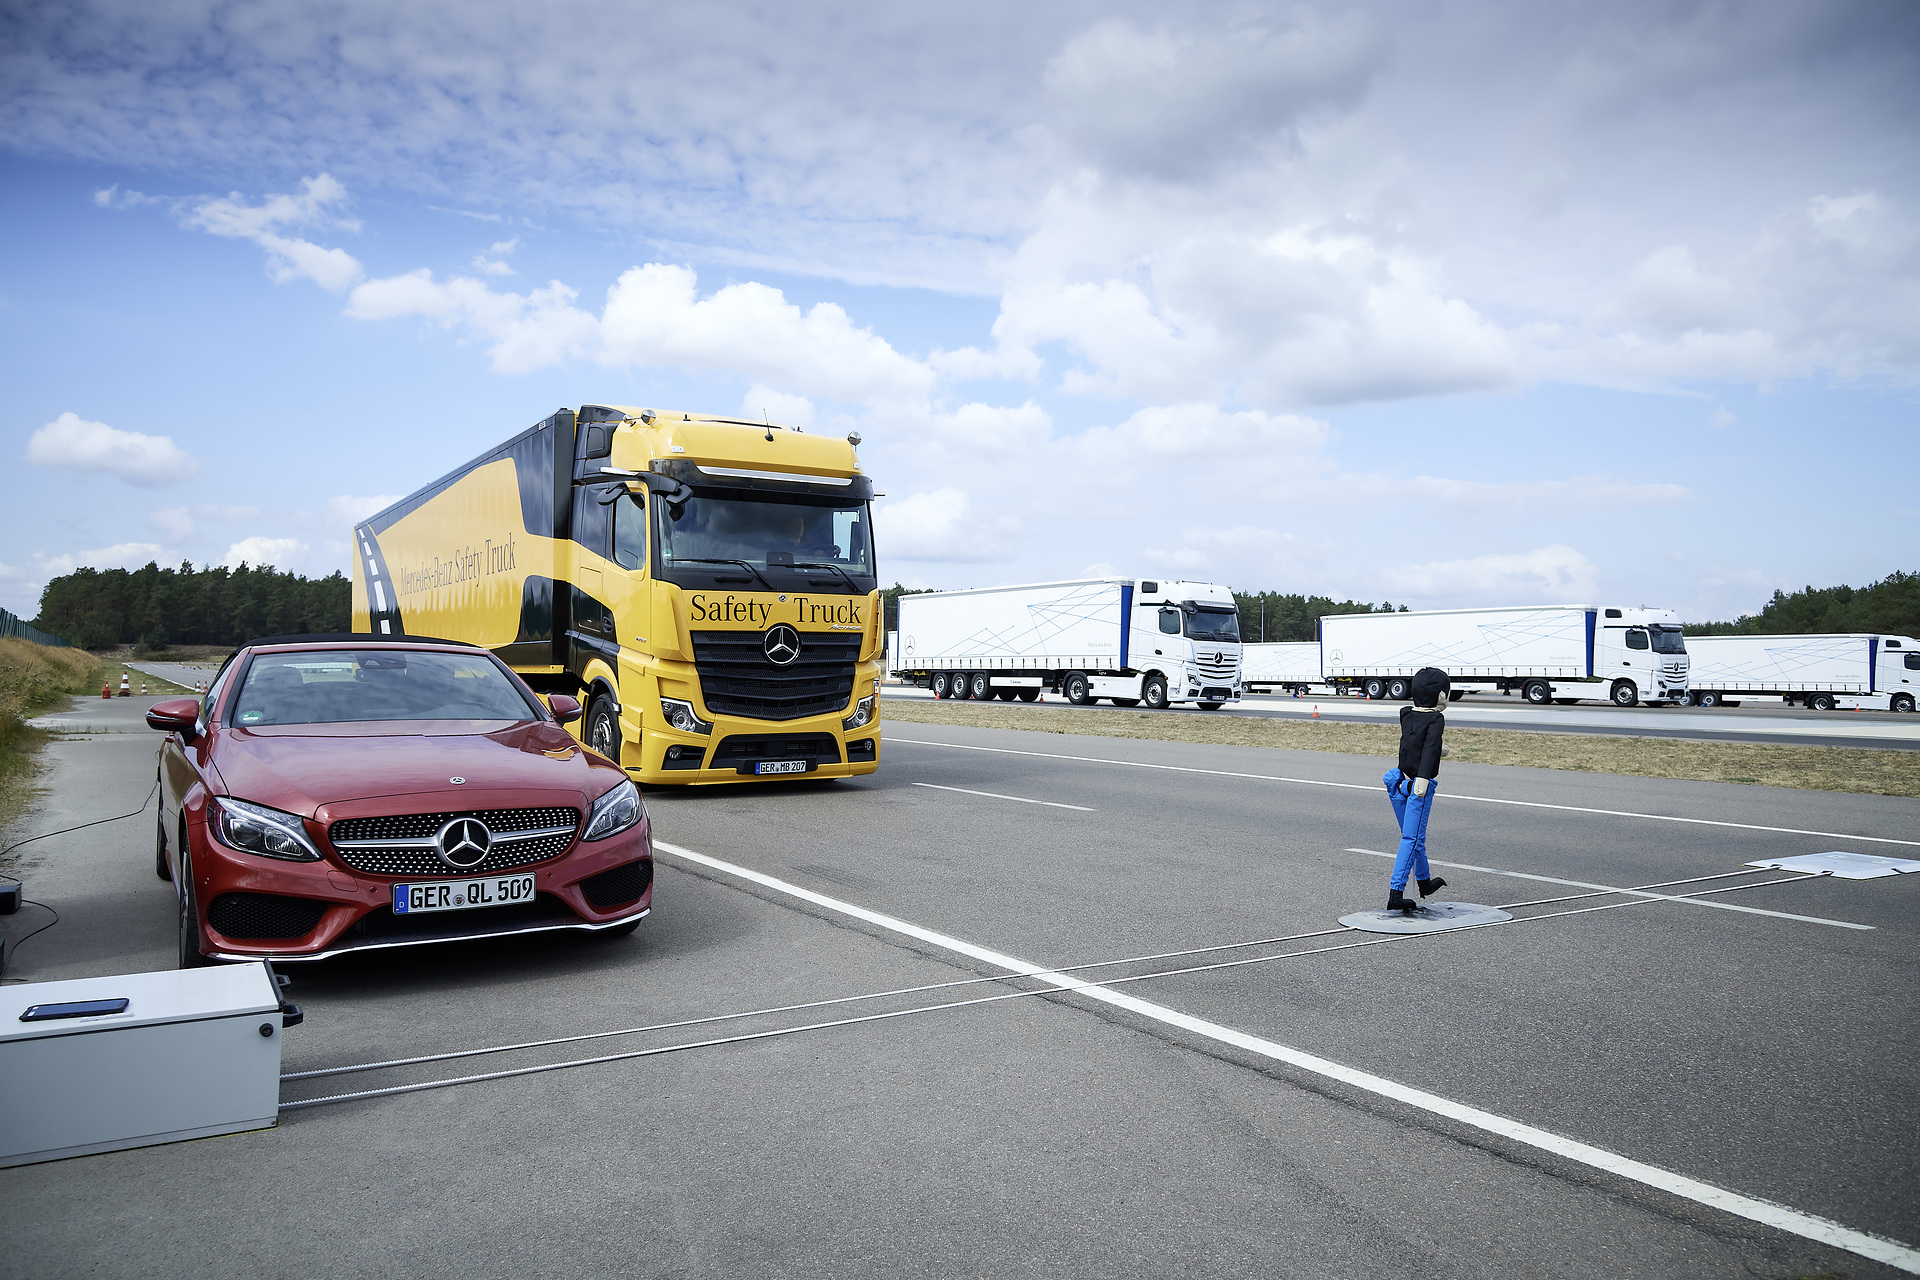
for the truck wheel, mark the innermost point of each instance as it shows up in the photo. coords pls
(1626, 693)
(1821, 702)
(603, 729)
(1540, 693)
(980, 688)
(1398, 689)
(1075, 687)
(1707, 698)
(1029, 695)
(1376, 688)
(938, 684)
(160, 867)
(1005, 695)
(1454, 695)
(1902, 702)
(1154, 693)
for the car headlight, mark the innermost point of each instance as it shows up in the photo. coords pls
(681, 715)
(614, 812)
(254, 828)
(862, 713)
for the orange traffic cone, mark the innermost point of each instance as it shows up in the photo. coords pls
(106, 689)
(143, 688)
(1316, 711)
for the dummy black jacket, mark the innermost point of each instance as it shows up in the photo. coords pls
(1420, 730)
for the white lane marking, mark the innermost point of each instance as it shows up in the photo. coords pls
(1367, 786)
(1805, 1225)
(995, 795)
(1636, 893)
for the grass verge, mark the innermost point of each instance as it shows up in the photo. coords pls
(33, 678)
(1809, 768)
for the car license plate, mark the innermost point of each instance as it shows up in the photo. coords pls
(781, 766)
(461, 895)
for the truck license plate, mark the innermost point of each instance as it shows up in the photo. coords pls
(461, 895)
(781, 766)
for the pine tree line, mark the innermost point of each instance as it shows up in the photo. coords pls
(1890, 606)
(1273, 617)
(153, 607)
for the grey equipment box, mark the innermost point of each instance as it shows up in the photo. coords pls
(196, 1052)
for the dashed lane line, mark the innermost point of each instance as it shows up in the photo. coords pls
(995, 795)
(1806, 1225)
(1365, 786)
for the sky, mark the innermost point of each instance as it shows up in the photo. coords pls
(1449, 303)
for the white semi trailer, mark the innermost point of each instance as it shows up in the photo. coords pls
(1288, 667)
(1817, 671)
(1546, 652)
(1132, 640)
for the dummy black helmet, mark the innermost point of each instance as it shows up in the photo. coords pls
(1430, 685)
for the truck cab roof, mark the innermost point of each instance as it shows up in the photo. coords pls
(643, 435)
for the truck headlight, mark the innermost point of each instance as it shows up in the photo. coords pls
(255, 828)
(614, 812)
(681, 715)
(862, 713)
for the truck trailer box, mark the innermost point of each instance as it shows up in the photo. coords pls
(101, 1064)
(1129, 639)
(1570, 651)
(1291, 666)
(1803, 668)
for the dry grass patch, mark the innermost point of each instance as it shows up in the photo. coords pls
(33, 677)
(1867, 772)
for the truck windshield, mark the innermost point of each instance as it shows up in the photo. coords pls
(772, 535)
(1213, 628)
(1668, 639)
(333, 687)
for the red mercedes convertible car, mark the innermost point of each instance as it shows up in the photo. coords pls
(342, 793)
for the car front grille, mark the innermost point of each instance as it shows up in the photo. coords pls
(264, 915)
(409, 854)
(741, 751)
(736, 679)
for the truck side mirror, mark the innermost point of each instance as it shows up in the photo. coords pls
(565, 709)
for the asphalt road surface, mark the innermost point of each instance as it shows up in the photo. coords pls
(1791, 725)
(1426, 1106)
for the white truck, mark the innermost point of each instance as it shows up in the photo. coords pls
(1819, 671)
(1549, 653)
(1292, 667)
(1132, 640)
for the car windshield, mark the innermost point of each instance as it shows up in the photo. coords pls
(765, 533)
(331, 687)
(1668, 639)
(1213, 628)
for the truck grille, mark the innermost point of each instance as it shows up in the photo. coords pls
(1217, 664)
(736, 679)
(408, 856)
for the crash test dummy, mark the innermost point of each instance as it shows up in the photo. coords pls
(1411, 787)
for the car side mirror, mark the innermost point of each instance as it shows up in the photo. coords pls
(175, 715)
(565, 709)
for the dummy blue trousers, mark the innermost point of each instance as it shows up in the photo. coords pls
(1412, 812)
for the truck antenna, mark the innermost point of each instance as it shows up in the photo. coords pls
(767, 422)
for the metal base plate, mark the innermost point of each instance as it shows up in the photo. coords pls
(1431, 918)
(1846, 866)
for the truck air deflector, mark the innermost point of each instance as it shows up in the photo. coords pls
(1592, 621)
(1126, 621)
(1873, 664)
(858, 488)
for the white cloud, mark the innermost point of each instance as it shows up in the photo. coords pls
(72, 443)
(176, 524)
(124, 555)
(1586, 493)
(321, 201)
(1243, 554)
(260, 552)
(765, 404)
(1721, 417)
(1549, 575)
(346, 511)
(940, 525)
(500, 249)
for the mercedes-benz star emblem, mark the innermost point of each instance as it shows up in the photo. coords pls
(781, 644)
(464, 843)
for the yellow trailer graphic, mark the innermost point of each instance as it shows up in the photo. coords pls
(705, 586)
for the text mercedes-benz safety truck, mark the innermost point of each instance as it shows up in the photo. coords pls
(704, 586)
(1820, 671)
(1132, 640)
(1547, 652)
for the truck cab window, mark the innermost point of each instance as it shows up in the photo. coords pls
(1913, 662)
(1636, 638)
(629, 532)
(593, 523)
(1668, 638)
(1170, 621)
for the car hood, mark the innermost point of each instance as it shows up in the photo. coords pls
(301, 768)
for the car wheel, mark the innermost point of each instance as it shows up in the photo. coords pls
(1626, 693)
(1821, 702)
(191, 940)
(980, 687)
(1398, 689)
(603, 729)
(1707, 698)
(1376, 688)
(1029, 695)
(938, 684)
(1154, 693)
(1075, 687)
(160, 867)
(1537, 692)
(1208, 706)
(1902, 702)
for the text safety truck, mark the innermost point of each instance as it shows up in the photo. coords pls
(1132, 640)
(704, 586)
(1819, 671)
(1546, 652)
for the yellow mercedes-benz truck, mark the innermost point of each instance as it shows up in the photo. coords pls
(704, 586)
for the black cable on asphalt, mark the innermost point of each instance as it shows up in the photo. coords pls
(24, 939)
(1052, 989)
(907, 991)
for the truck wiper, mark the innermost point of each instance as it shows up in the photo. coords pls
(744, 564)
(819, 564)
